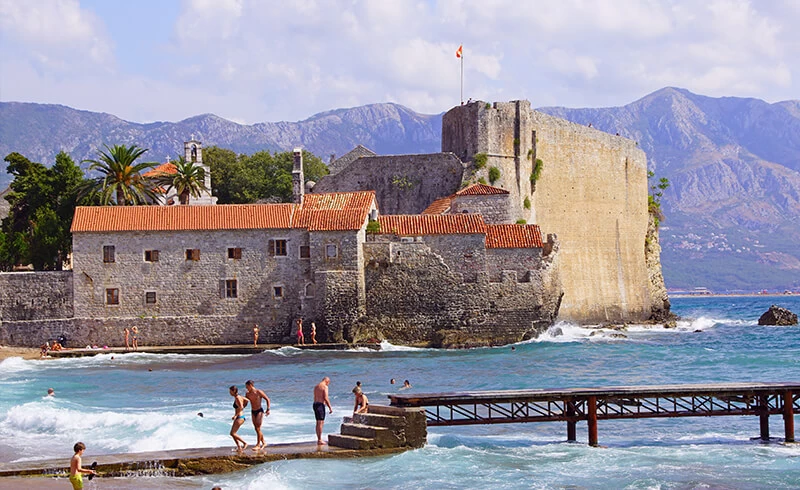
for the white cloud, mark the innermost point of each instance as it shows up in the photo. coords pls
(264, 61)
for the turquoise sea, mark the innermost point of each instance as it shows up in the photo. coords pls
(142, 402)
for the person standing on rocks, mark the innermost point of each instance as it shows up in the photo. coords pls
(257, 411)
(320, 402)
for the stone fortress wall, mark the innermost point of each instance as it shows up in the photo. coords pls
(591, 193)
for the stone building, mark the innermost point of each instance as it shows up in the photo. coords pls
(586, 186)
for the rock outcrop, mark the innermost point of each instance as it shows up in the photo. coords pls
(776, 315)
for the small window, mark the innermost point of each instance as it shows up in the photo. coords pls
(277, 248)
(231, 288)
(150, 298)
(151, 255)
(277, 292)
(305, 252)
(235, 253)
(309, 292)
(109, 254)
(407, 239)
(193, 254)
(112, 296)
(331, 251)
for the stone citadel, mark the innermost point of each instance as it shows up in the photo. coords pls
(411, 248)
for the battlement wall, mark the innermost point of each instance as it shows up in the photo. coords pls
(35, 295)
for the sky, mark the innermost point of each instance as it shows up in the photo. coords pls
(270, 60)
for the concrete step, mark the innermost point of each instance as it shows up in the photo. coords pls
(360, 430)
(350, 442)
(377, 420)
(386, 410)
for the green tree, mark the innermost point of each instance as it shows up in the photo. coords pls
(121, 177)
(188, 180)
(37, 229)
(654, 196)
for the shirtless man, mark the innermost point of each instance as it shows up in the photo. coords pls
(255, 396)
(127, 339)
(320, 401)
(255, 335)
(75, 471)
(300, 338)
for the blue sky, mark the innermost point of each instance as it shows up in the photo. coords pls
(260, 60)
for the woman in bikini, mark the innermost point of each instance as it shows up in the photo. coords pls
(239, 402)
(135, 332)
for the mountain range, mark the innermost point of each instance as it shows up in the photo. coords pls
(732, 209)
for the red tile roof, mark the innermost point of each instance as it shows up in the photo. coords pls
(432, 224)
(513, 236)
(164, 168)
(319, 212)
(174, 218)
(439, 206)
(480, 190)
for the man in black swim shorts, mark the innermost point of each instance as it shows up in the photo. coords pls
(320, 402)
(255, 396)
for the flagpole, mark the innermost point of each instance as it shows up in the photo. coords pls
(462, 77)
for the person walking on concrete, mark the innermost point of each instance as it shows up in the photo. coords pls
(135, 332)
(257, 411)
(255, 335)
(239, 402)
(127, 339)
(300, 339)
(320, 402)
(313, 333)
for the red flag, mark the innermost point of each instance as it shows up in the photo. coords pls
(459, 51)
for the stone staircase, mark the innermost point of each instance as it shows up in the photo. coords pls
(382, 427)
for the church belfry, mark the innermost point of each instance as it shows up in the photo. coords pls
(193, 152)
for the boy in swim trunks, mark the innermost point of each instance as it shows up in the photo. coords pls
(75, 470)
(320, 401)
(255, 396)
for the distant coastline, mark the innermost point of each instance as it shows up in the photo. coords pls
(729, 295)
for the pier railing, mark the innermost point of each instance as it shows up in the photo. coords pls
(610, 403)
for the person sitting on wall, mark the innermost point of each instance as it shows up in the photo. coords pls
(45, 348)
(56, 346)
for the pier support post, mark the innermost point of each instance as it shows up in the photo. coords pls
(571, 424)
(764, 416)
(788, 416)
(591, 412)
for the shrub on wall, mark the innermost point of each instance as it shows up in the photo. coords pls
(494, 175)
(479, 160)
(373, 226)
(482, 181)
(537, 170)
(488, 105)
(522, 222)
(527, 203)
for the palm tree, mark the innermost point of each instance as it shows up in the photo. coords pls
(189, 179)
(121, 177)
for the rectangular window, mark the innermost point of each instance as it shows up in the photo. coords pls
(112, 296)
(150, 298)
(235, 253)
(277, 248)
(109, 254)
(305, 252)
(193, 254)
(151, 255)
(331, 251)
(277, 292)
(231, 288)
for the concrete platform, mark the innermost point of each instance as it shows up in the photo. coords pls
(188, 462)
(207, 349)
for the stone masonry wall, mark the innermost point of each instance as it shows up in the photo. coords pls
(592, 192)
(35, 295)
(417, 296)
(194, 288)
(404, 184)
(494, 208)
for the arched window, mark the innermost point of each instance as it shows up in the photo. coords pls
(310, 290)
(194, 153)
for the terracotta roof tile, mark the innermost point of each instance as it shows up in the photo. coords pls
(164, 168)
(359, 200)
(175, 218)
(480, 190)
(513, 236)
(432, 224)
(439, 206)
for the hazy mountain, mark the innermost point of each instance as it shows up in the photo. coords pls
(40, 131)
(733, 210)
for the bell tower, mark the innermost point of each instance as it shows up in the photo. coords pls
(193, 152)
(298, 186)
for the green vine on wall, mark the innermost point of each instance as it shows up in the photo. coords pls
(479, 160)
(494, 175)
(402, 183)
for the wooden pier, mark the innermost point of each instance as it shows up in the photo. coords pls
(610, 403)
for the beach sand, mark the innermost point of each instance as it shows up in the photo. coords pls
(23, 352)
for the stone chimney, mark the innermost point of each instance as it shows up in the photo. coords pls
(298, 184)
